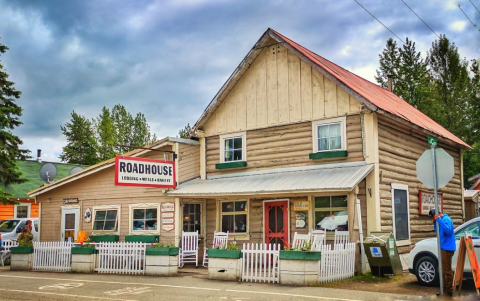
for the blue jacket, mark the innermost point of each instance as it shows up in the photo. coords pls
(447, 236)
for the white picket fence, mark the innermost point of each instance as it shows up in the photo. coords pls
(337, 263)
(53, 256)
(121, 258)
(260, 263)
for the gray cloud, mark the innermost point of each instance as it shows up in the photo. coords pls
(168, 59)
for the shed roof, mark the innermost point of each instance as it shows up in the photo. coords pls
(314, 178)
(368, 93)
(108, 163)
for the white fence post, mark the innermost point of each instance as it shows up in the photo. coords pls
(337, 263)
(121, 258)
(260, 263)
(52, 256)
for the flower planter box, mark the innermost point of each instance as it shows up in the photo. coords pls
(83, 259)
(104, 238)
(224, 264)
(233, 254)
(84, 250)
(161, 261)
(299, 268)
(142, 238)
(162, 251)
(21, 258)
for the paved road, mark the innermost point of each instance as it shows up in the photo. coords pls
(16, 285)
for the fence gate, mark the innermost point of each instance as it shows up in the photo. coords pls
(121, 258)
(52, 256)
(338, 263)
(260, 263)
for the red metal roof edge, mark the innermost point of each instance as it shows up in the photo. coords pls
(397, 106)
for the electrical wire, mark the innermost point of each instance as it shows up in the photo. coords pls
(474, 6)
(420, 18)
(467, 17)
(379, 21)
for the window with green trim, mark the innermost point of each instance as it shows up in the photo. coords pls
(105, 220)
(233, 148)
(329, 135)
(234, 216)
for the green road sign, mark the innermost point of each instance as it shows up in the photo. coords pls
(432, 141)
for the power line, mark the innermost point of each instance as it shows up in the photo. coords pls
(474, 6)
(467, 17)
(420, 18)
(379, 21)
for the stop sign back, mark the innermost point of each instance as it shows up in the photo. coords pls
(444, 166)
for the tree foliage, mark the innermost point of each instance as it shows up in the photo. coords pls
(185, 131)
(444, 86)
(100, 139)
(10, 144)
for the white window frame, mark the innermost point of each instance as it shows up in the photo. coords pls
(29, 207)
(107, 207)
(242, 135)
(396, 186)
(330, 235)
(241, 235)
(144, 206)
(343, 130)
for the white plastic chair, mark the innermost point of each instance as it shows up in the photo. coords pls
(300, 240)
(5, 253)
(220, 239)
(318, 239)
(341, 237)
(189, 248)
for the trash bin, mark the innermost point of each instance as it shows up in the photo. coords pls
(382, 254)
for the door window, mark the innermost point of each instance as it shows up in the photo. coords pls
(192, 218)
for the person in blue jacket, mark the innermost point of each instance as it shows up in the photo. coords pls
(447, 244)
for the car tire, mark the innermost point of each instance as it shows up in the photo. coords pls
(426, 271)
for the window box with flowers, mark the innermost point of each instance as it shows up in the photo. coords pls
(224, 262)
(84, 257)
(161, 260)
(299, 266)
(21, 258)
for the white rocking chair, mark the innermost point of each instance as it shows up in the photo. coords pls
(341, 238)
(189, 248)
(220, 239)
(318, 239)
(300, 240)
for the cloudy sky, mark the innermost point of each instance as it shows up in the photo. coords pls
(167, 59)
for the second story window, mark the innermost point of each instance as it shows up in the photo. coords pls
(233, 148)
(329, 135)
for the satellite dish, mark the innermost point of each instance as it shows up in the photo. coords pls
(74, 170)
(48, 171)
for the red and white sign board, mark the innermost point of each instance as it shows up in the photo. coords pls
(426, 201)
(132, 171)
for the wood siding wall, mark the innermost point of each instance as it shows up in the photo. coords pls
(279, 88)
(399, 149)
(282, 146)
(95, 190)
(188, 162)
(8, 211)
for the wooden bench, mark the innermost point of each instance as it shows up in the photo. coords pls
(5, 253)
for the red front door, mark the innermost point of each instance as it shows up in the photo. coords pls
(276, 223)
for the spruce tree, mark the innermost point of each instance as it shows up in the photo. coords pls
(10, 144)
(81, 145)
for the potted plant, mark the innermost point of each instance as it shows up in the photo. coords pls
(224, 262)
(299, 265)
(84, 257)
(161, 260)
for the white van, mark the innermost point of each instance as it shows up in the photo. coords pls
(12, 228)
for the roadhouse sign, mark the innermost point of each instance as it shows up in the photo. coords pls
(131, 171)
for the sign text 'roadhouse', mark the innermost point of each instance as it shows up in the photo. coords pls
(131, 171)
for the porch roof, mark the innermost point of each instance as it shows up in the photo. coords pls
(314, 178)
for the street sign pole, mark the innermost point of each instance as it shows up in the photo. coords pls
(434, 164)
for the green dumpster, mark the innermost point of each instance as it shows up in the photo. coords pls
(382, 254)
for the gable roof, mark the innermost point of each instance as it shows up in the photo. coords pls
(30, 170)
(371, 95)
(108, 163)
